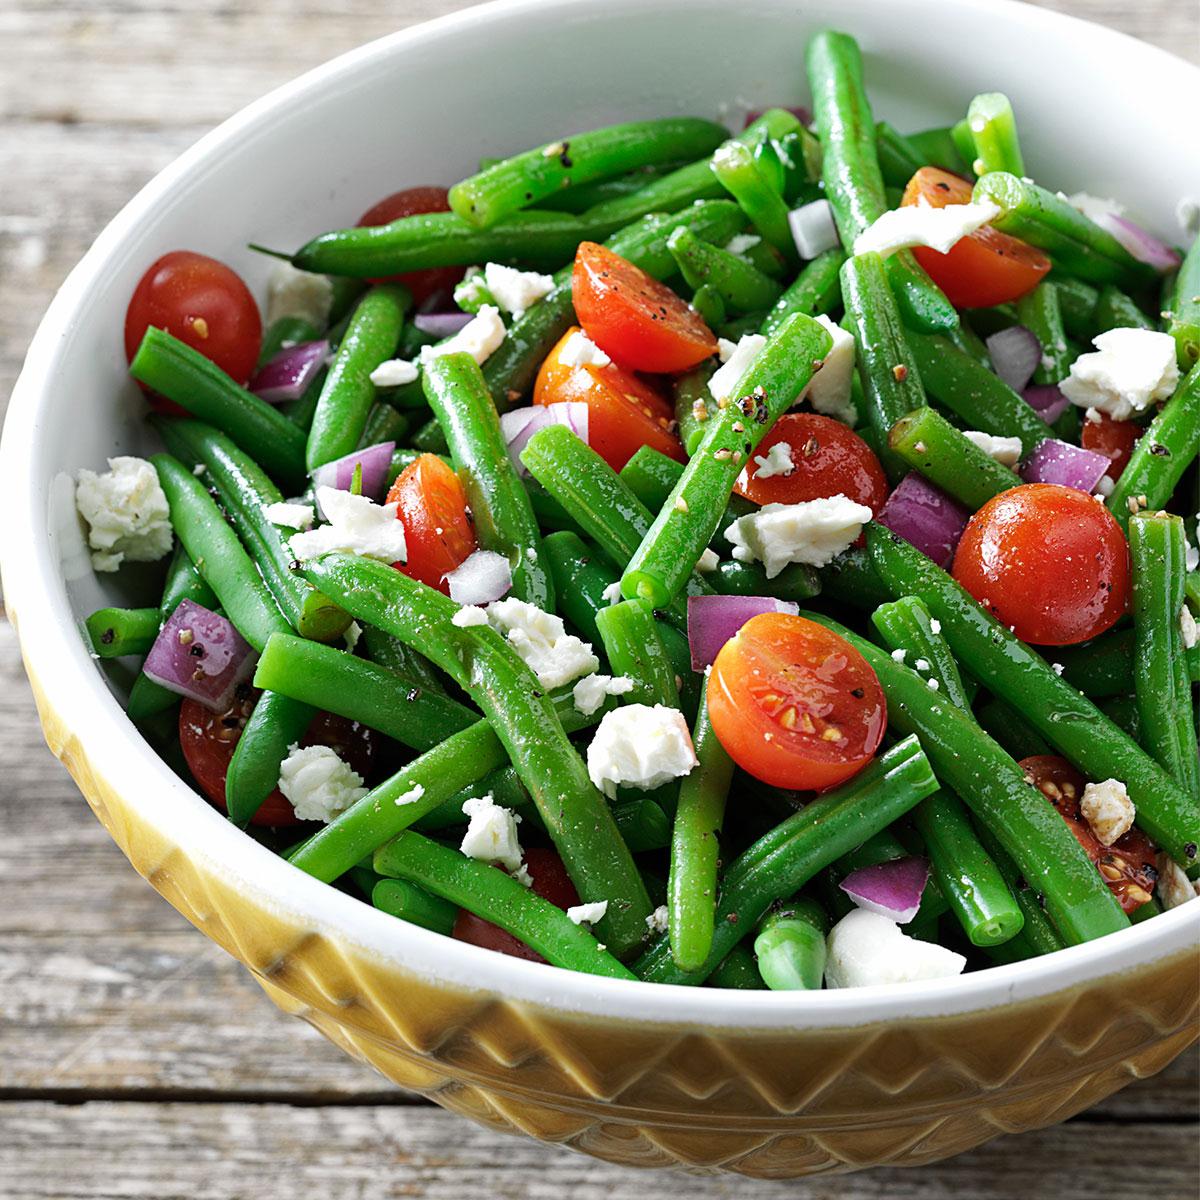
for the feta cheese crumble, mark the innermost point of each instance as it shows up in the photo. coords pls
(480, 337)
(540, 638)
(776, 461)
(735, 359)
(921, 224)
(587, 914)
(592, 690)
(658, 920)
(126, 511)
(813, 532)
(1173, 887)
(351, 636)
(1005, 450)
(829, 389)
(1095, 207)
(612, 593)
(468, 615)
(580, 351)
(413, 794)
(1129, 370)
(813, 228)
(294, 293)
(708, 561)
(318, 783)
(1188, 627)
(864, 948)
(641, 747)
(1107, 808)
(357, 525)
(491, 835)
(290, 515)
(741, 242)
(396, 372)
(513, 290)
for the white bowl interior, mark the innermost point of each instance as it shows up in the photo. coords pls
(422, 107)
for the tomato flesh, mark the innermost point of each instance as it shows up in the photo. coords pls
(1127, 866)
(208, 740)
(550, 881)
(624, 412)
(1114, 439)
(632, 317)
(412, 202)
(794, 704)
(204, 304)
(986, 267)
(1050, 562)
(432, 505)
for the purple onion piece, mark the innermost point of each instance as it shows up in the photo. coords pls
(1143, 245)
(713, 620)
(376, 463)
(891, 889)
(1047, 400)
(1066, 465)
(287, 375)
(925, 516)
(1015, 353)
(518, 425)
(199, 654)
(442, 324)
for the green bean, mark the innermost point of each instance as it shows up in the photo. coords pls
(969, 342)
(430, 439)
(346, 399)
(707, 303)
(887, 367)
(797, 581)
(964, 143)
(1077, 302)
(694, 403)
(384, 424)
(1115, 310)
(520, 181)
(695, 848)
(790, 946)
(643, 824)
(806, 842)
(1184, 323)
(739, 172)
(292, 330)
(906, 624)
(345, 292)
(578, 199)
(937, 147)
(482, 663)
(737, 971)
(1040, 313)
(629, 634)
(994, 134)
(496, 897)
(1011, 730)
(761, 255)
(276, 725)
(1102, 667)
(1076, 243)
(414, 904)
(500, 508)
(1161, 454)
(777, 375)
(1038, 932)
(1014, 672)
(114, 632)
(851, 579)
(1158, 554)
(899, 159)
(928, 443)
(816, 290)
(1123, 712)
(402, 660)
(980, 399)
(741, 286)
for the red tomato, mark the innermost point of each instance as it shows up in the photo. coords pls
(632, 317)
(437, 530)
(550, 881)
(794, 704)
(827, 459)
(411, 202)
(1047, 561)
(624, 412)
(208, 740)
(201, 302)
(986, 267)
(1114, 439)
(1128, 864)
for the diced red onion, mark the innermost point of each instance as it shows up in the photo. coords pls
(287, 375)
(713, 620)
(1015, 354)
(891, 889)
(1047, 400)
(813, 228)
(199, 654)
(442, 324)
(798, 111)
(925, 516)
(1069, 466)
(480, 578)
(376, 462)
(1144, 246)
(520, 424)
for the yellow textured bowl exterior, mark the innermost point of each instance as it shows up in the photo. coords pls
(766, 1103)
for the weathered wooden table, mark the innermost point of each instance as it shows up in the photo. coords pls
(136, 1059)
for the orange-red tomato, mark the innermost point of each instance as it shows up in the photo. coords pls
(624, 412)
(208, 740)
(794, 704)
(1047, 561)
(828, 458)
(550, 881)
(412, 202)
(432, 505)
(986, 267)
(1127, 866)
(632, 317)
(1114, 439)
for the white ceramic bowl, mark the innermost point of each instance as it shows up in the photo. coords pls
(704, 1077)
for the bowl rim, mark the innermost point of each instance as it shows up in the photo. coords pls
(75, 695)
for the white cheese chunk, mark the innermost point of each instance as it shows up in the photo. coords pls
(514, 290)
(1107, 808)
(491, 835)
(318, 783)
(588, 914)
(829, 389)
(641, 747)
(468, 615)
(612, 593)
(1095, 207)
(776, 461)
(357, 525)
(1188, 628)
(413, 794)
(864, 948)
(1129, 370)
(923, 225)
(708, 561)
(592, 690)
(290, 514)
(293, 293)
(540, 638)
(480, 337)
(481, 577)
(351, 636)
(126, 511)
(813, 228)
(736, 359)
(1005, 450)
(658, 920)
(741, 242)
(396, 372)
(1173, 887)
(813, 532)
(580, 351)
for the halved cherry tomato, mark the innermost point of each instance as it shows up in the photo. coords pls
(208, 740)
(794, 704)
(827, 459)
(1047, 561)
(1114, 439)
(632, 317)
(1127, 866)
(201, 302)
(986, 267)
(550, 881)
(624, 412)
(432, 505)
(412, 202)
